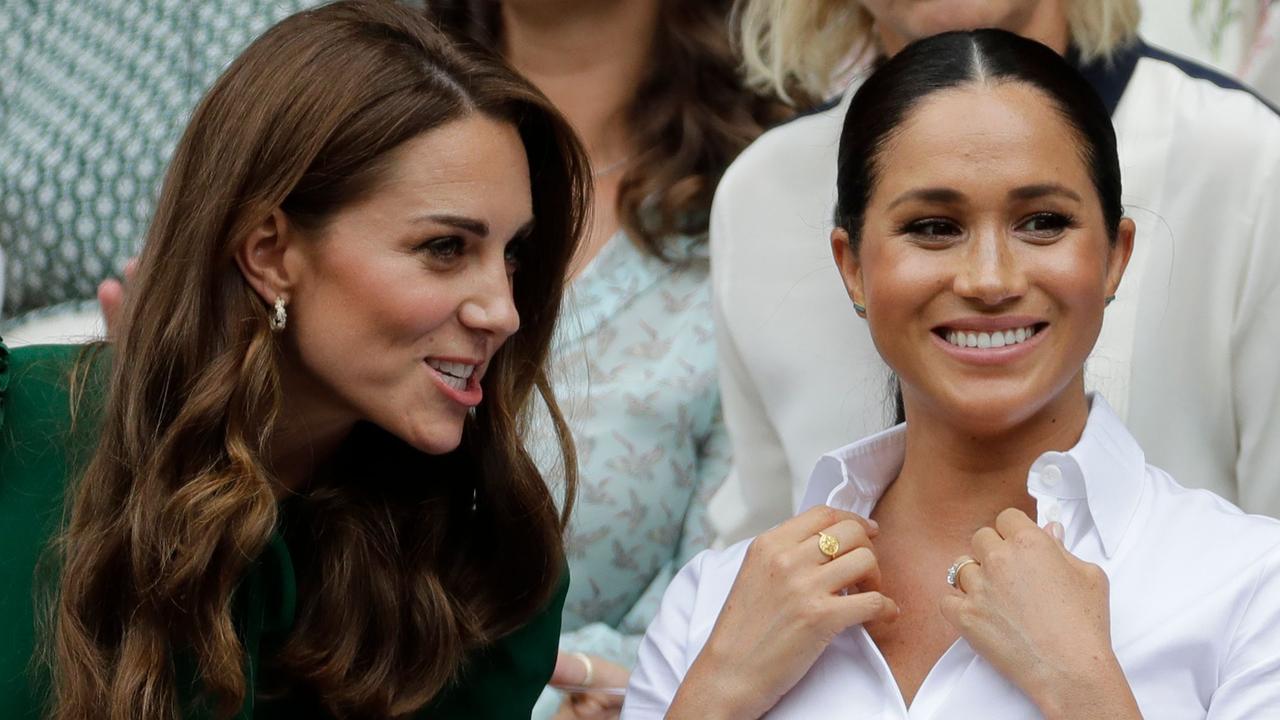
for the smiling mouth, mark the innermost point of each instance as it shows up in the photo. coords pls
(456, 375)
(990, 339)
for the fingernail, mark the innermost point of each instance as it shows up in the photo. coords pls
(874, 525)
(1056, 530)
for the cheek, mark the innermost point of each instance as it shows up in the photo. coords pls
(380, 303)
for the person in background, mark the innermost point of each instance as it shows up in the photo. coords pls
(653, 89)
(1186, 356)
(978, 194)
(295, 485)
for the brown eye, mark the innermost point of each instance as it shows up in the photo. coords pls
(445, 248)
(514, 253)
(932, 229)
(1045, 225)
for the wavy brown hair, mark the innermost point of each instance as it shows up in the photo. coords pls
(397, 559)
(691, 116)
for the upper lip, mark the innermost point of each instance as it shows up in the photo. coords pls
(990, 323)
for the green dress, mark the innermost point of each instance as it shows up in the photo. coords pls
(39, 448)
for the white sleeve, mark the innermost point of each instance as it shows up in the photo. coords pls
(1250, 678)
(663, 657)
(756, 495)
(1254, 361)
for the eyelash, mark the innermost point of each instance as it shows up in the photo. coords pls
(448, 248)
(918, 228)
(443, 248)
(515, 254)
(1061, 221)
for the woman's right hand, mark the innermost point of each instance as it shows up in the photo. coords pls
(787, 604)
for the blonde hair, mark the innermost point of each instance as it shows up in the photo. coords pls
(801, 47)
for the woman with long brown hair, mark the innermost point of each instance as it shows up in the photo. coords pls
(296, 486)
(652, 87)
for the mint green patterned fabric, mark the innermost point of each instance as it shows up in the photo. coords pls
(94, 95)
(634, 371)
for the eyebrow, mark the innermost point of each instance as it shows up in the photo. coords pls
(471, 225)
(1032, 192)
(947, 196)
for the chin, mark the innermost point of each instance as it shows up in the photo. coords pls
(939, 17)
(435, 438)
(986, 409)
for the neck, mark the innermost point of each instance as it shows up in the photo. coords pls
(1045, 22)
(955, 481)
(589, 57)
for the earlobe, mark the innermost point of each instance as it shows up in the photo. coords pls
(262, 258)
(850, 268)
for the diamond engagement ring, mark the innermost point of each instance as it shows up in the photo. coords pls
(828, 544)
(953, 572)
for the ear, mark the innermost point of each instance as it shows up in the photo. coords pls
(1119, 254)
(264, 259)
(849, 265)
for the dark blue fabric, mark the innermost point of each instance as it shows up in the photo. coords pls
(1110, 76)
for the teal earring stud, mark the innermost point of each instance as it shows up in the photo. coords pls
(1110, 299)
(860, 309)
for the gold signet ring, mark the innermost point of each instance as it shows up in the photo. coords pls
(953, 572)
(828, 544)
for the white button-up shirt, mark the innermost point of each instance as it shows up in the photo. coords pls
(1195, 595)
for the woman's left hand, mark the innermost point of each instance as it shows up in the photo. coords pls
(570, 671)
(1041, 617)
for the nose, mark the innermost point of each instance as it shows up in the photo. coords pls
(491, 306)
(990, 271)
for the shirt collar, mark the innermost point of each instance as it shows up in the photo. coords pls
(1105, 468)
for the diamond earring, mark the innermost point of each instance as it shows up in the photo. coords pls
(279, 318)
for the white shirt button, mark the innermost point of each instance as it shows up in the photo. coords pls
(1051, 475)
(1053, 511)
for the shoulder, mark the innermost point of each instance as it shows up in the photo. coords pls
(48, 420)
(1195, 526)
(36, 384)
(1173, 68)
(796, 155)
(35, 455)
(1174, 505)
(1207, 113)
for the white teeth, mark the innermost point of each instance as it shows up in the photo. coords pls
(452, 370)
(982, 340)
(453, 382)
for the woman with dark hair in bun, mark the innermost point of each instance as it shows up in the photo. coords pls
(1007, 552)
